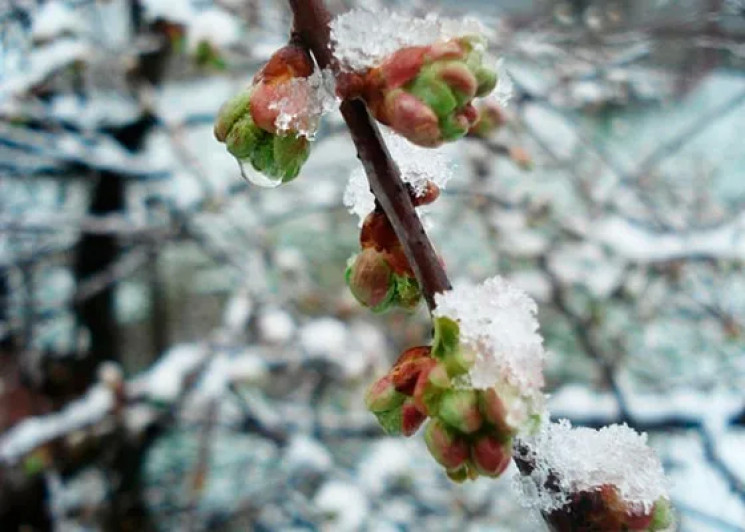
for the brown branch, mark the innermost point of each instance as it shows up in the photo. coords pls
(311, 27)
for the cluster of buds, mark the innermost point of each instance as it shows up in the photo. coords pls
(247, 123)
(380, 276)
(604, 509)
(425, 93)
(470, 431)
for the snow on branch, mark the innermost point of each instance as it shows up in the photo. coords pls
(418, 166)
(362, 38)
(498, 322)
(571, 460)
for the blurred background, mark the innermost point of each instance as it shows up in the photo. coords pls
(178, 350)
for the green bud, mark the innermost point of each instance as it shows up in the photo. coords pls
(408, 295)
(391, 421)
(230, 112)
(243, 137)
(446, 347)
(290, 153)
(382, 396)
(434, 93)
(486, 79)
(445, 445)
(663, 515)
(452, 127)
(460, 410)
(262, 155)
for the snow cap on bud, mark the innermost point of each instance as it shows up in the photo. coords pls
(490, 332)
(446, 446)
(609, 476)
(460, 409)
(424, 93)
(491, 455)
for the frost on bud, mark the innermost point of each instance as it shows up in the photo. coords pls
(424, 93)
(446, 446)
(491, 455)
(488, 336)
(247, 123)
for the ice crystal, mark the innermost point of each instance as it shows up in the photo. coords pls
(362, 38)
(498, 322)
(417, 166)
(582, 459)
(304, 101)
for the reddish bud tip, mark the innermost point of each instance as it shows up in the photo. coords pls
(490, 455)
(445, 445)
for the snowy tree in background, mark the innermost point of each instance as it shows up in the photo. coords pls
(177, 346)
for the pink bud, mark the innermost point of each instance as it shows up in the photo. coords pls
(263, 112)
(445, 445)
(402, 66)
(458, 76)
(451, 49)
(410, 117)
(490, 455)
(433, 380)
(411, 418)
(459, 409)
(382, 395)
(408, 367)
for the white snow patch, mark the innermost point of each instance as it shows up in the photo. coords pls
(36, 431)
(583, 459)
(276, 326)
(498, 322)
(417, 165)
(214, 26)
(53, 19)
(306, 453)
(344, 503)
(362, 38)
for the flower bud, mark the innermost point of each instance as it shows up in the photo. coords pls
(490, 455)
(429, 195)
(247, 122)
(446, 445)
(371, 281)
(411, 418)
(425, 93)
(382, 395)
(662, 515)
(408, 367)
(490, 118)
(460, 409)
(408, 294)
(432, 382)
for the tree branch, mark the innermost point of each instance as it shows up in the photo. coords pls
(311, 27)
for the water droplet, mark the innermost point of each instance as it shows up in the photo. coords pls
(255, 177)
